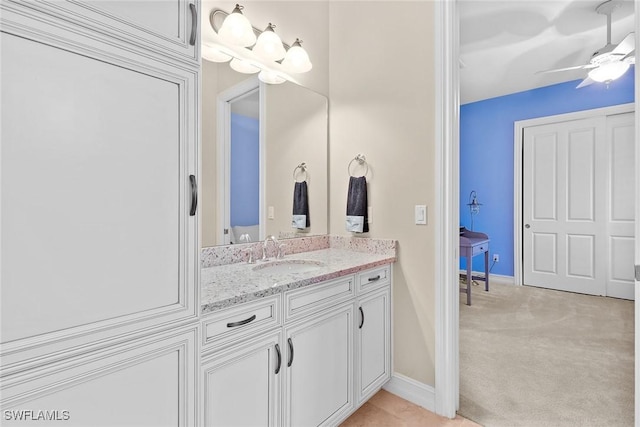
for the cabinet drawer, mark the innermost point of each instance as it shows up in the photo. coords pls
(242, 320)
(479, 249)
(315, 298)
(373, 278)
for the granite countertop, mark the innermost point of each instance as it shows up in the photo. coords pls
(226, 285)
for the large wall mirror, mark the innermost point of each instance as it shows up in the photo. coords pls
(254, 136)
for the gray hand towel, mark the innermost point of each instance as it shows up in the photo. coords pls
(301, 218)
(357, 205)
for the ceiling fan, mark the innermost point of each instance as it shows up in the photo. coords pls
(610, 61)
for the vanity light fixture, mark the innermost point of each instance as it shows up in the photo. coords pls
(266, 54)
(297, 59)
(243, 66)
(269, 46)
(213, 54)
(237, 30)
(271, 77)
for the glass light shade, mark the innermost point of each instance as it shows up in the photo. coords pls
(609, 72)
(213, 54)
(237, 30)
(270, 77)
(269, 46)
(243, 66)
(297, 59)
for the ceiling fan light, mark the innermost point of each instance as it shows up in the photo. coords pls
(214, 54)
(243, 66)
(269, 46)
(237, 30)
(297, 59)
(609, 72)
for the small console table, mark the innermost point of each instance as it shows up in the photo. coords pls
(473, 243)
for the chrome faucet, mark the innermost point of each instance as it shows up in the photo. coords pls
(265, 244)
(250, 259)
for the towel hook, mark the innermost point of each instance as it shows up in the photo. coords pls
(303, 169)
(362, 160)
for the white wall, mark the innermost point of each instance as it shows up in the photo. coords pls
(381, 104)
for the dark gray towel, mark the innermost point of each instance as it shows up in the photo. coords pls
(301, 218)
(357, 220)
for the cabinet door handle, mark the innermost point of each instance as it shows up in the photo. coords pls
(241, 322)
(279, 358)
(373, 279)
(361, 317)
(194, 24)
(194, 195)
(290, 353)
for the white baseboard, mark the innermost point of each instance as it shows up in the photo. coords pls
(414, 391)
(495, 278)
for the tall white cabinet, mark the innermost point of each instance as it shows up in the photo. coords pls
(99, 259)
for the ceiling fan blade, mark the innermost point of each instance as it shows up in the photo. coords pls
(577, 67)
(630, 58)
(626, 45)
(585, 82)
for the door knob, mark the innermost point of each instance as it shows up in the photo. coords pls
(527, 226)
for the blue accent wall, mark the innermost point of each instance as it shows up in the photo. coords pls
(245, 171)
(486, 152)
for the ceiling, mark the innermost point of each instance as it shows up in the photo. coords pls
(503, 43)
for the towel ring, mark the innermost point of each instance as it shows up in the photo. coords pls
(303, 168)
(362, 160)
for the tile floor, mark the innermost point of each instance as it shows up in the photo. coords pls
(388, 410)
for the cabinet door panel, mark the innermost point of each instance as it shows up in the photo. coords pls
(319, 380)
(149, 382)
(241, 387)
(374, 342)
(163, 26)
(94, 167)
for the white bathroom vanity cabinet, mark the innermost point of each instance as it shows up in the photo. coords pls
(311, 365)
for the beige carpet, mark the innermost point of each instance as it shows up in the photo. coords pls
(537, 357)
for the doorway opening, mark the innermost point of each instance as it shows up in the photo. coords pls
(240, 154)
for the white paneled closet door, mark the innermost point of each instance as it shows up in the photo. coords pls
(621, 205)
(578, 206)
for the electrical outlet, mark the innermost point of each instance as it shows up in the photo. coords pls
(496, 258)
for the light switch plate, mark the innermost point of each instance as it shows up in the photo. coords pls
(421, 214)
(270, 212)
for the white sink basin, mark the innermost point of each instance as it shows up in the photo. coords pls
(289, 266)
